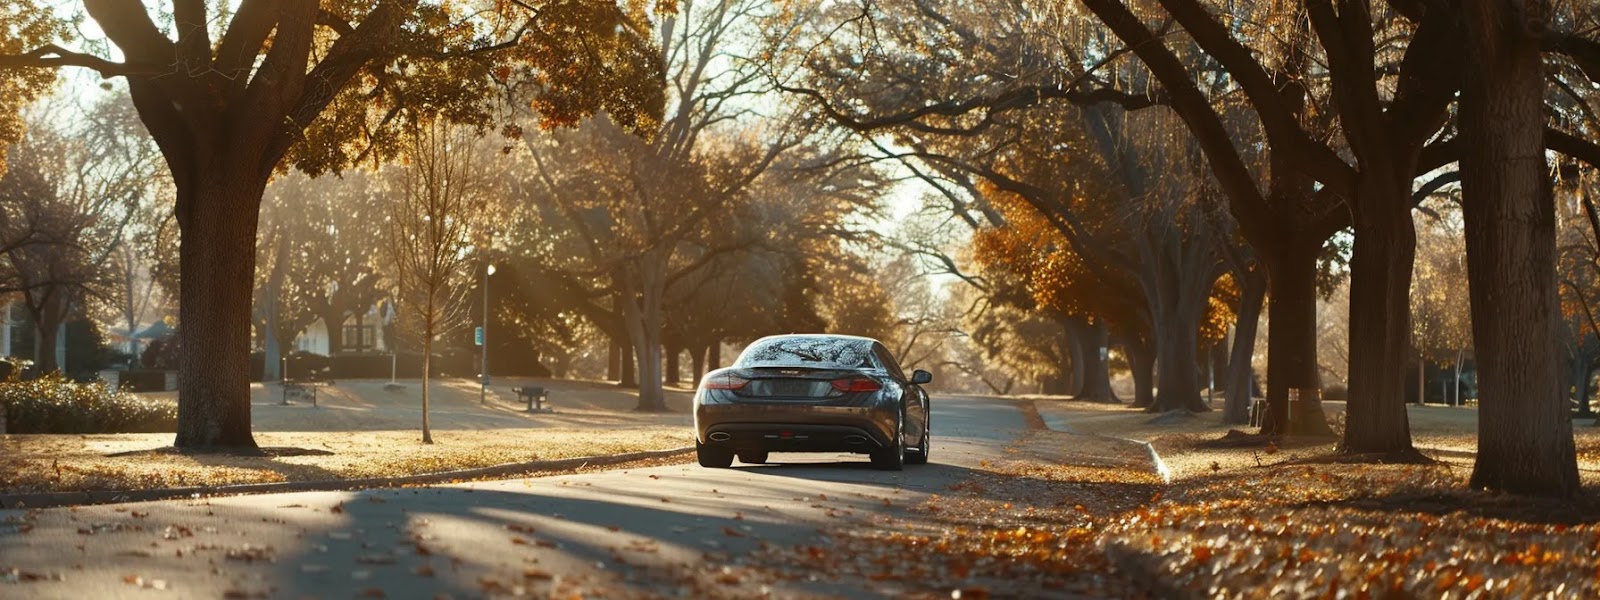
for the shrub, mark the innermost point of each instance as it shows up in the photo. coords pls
(53, 404)
(161, 354)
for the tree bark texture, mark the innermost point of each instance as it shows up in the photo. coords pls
(614, 362)
(47, 321)
(1074, 329)
(1142, 361)
(627, 377)
(697, 363)
(1292, 342)
(1236, 407)
(643, 286)
(1178, 382)
(1096, 373)
(217, 219)
(672, 374)
(1380, 321)
(333, 320)
(1525, 443)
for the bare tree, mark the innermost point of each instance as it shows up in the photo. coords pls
(77, 185)
(431, 227)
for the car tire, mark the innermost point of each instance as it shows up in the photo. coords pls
(712, 457)
(753, 457)
(892, 457)
(920, 455)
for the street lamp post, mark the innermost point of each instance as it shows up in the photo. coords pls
(483, 382)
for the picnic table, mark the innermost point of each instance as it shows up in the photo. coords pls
(535, 396)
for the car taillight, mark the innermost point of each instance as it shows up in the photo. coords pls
(857, 384)
(725, 382)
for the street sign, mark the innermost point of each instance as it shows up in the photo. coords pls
(477, 336)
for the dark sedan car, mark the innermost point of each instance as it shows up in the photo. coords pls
(812, 393)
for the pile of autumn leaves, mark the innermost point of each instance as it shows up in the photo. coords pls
(1300, 531)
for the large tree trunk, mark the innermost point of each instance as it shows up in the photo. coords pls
(697, 361)
(1177, 381)
(47, 341)
(614, 361)
(647, 349)
(651, 395)
(1142, 362)
(642, 317)
(1075, 329)
(714, 356)
(1422, 379)
(672, 374)
(1292, 341)
(1096, 373)
(1177, 300)
(1380, 322)
(628, 377)
(1236, 408)
(334, 321)
(1525, 441)
(217, 220)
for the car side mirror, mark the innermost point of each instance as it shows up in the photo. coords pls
(920, 377)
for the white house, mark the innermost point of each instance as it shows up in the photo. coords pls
(362, 333)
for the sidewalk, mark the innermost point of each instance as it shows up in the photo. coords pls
(1446, 433)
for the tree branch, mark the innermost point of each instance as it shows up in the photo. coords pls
(51, 56)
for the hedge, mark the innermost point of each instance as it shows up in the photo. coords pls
(54, 404)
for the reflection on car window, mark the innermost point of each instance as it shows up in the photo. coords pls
(812, 352)
(887, 360)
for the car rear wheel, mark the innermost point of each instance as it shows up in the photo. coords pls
(712, 457)
(753, 457)
(893, 456)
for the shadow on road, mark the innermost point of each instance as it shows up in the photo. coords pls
(475, 542)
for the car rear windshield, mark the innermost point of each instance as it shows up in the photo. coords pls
(810, 352)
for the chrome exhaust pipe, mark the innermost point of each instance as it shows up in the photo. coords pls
(720, 436)
(855, 439)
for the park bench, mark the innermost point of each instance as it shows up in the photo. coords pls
(536, 397)
(303, 389)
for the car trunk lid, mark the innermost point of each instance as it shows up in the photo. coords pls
(791, 384)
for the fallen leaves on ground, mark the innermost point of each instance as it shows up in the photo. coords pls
(1102, 526)
(1366, 530)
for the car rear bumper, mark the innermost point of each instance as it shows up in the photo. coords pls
(791, 428)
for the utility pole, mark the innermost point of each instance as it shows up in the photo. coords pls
(483, 382)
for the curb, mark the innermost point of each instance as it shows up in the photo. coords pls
(1156, 463)
(91, 497)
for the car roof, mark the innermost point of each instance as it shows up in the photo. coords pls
(831, 336)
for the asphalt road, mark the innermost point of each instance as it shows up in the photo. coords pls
(646, 532)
